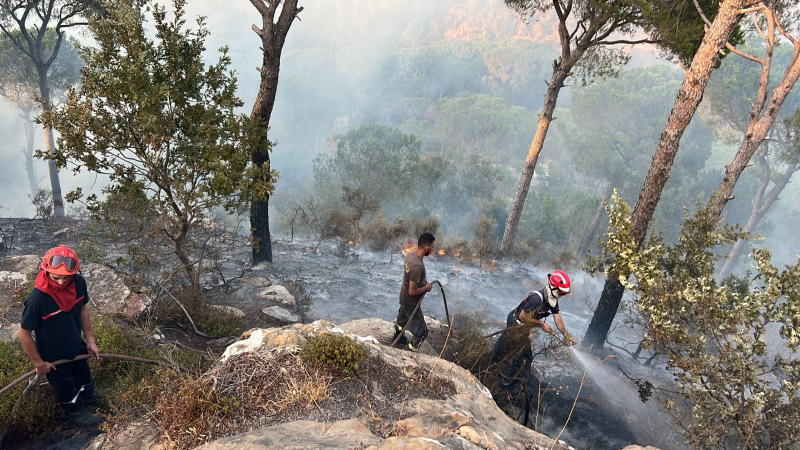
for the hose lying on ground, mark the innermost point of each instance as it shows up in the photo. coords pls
(102, 355)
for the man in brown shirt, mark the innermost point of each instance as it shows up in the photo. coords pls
(415, 285)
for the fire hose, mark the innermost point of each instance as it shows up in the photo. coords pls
(519, 325)
(419, 302)
(102, 355)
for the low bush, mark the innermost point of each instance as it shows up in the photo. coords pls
(244, 392)
(338, 352)
(35, 413)
(39, 411)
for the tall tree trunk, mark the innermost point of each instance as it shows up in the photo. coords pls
(762, 116)
(686, 102)
(561, 71)
(49, 145)
(273, 35)
(591, 231)
(28, 152)
(761, 206)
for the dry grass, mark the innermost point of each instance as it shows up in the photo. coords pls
(245, 392)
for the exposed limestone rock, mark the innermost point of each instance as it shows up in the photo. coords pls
(26, 264)
(464, 418)
(9, 332)
(17, 273)
(109, 293)
(230, 310)
(247, 288)
(277, 294)
(136, 436)
(278, 313)
(304, 434)
(383, 331)
(467, 419)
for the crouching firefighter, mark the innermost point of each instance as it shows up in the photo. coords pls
(532, 312)
(415, 286)
(55, 312)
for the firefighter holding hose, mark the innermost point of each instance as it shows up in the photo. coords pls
(532, 311)
(55, 313)
(414, 287)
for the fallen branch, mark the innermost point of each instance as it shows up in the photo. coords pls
(185, 312)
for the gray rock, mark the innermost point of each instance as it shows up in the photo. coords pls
(230, 310)
(109, 293)
(248, 288)
(9, 332)
(277, 294)
(27, 264)
(276, 312)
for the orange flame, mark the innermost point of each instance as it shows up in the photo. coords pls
(350, 242)
(441, 253)
(408, 249)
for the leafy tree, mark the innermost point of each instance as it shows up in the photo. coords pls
(152, 116)
(370, 165)
(19, 84)
(483, 232)
(516, 69)
(479, 123)
(729, 346)
(26, 24)
(273, 32)
(438, 70)
(588, 32)
(689, 95)
(766, 103)
(613, 127)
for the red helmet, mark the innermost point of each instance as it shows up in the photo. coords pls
(559, 279)
(60, 260)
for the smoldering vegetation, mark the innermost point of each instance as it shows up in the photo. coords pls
(396, 119)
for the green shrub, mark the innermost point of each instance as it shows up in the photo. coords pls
(336, 351)
(36, 412)
(219, 324)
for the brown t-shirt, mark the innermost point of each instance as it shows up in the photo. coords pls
(414, 271)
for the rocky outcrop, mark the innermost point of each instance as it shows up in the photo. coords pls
(107, 290)
(462, 416)
(467, 419)
(279, 314)
(277, 294)
(109, 293)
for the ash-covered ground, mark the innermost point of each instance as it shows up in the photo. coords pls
(339, 284)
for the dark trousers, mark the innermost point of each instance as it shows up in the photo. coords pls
(516, 346)
(68, 379)
(416, 326)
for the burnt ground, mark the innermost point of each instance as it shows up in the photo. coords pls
(598, 421)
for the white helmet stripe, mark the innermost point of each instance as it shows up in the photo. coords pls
(563, 280)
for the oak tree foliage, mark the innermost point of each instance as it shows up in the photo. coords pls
(161, 124)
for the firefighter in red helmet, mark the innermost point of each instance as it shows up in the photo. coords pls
(533, 311)
(55, 314)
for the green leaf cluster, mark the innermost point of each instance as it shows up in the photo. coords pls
(338, 352)
(732, 349)
(160, 123)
